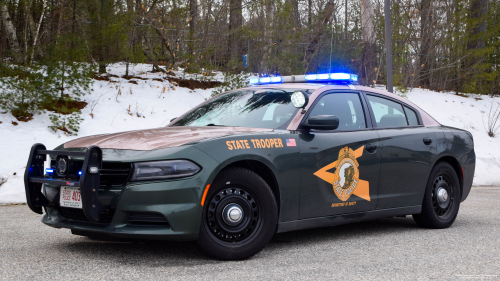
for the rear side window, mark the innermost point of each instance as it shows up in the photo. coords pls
(411, 116)
(387, 113)
(346, 106)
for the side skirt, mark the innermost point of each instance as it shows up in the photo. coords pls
(347, 218)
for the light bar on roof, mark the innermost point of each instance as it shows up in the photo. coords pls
(324, 77)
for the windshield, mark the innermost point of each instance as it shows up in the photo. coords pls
(260, 108)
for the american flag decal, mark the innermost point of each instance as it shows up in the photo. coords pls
(290, 142)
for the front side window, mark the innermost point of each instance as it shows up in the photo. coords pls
(261, 108)
(346, 106)
(391, 114)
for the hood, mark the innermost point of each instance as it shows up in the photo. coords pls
(151, 139)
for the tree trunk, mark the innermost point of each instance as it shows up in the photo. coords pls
(235, 23)
(345, 19)
(37, 32)
(426, 41)
(368, 56)
(193, 15)
(31, 22)
(267, 36)
(130, 6)
(102, 67)
(61, 17)
(73, 25)
(295, 14)
(313, 47)
(130, 40)
(478, 10)
(208, 10)
(193, 19)
(11, 33)
(309, 13)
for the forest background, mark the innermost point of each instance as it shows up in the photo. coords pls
(51, 50)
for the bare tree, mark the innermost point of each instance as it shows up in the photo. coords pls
(492, 122)
(35, 36)
(368, 56)
(235, 23)
(314, 47)
(193, 20)
(267, 35)
(426, 41)
(11, 31)
(478, 10)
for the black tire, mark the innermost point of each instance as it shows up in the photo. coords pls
(224, 239)
(437, 212)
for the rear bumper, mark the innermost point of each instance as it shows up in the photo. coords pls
(178, 201)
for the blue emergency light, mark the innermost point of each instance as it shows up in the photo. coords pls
(49, 171)
(325, 77)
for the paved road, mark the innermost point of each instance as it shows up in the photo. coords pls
(393, 249)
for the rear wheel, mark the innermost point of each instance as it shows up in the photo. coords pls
(441, 199)
(239, 216)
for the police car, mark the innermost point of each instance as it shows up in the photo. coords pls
(284, 154)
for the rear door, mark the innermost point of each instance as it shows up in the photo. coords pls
(339, 168)
(407, 152)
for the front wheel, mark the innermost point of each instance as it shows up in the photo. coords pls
(441, 199)
(239, 216)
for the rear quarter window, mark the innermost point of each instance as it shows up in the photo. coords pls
(411, 116)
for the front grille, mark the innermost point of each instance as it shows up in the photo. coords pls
(112, 173)
(78, 215)
(147, 219)
(115, 173)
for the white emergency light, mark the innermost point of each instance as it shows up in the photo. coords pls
(324, 77)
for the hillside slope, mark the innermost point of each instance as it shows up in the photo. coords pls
(120, 105)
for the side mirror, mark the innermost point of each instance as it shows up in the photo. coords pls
(173, 119)
(323, 122)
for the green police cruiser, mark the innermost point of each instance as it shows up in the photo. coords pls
(284, 154)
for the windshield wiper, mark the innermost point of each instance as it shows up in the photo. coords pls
(212, 124)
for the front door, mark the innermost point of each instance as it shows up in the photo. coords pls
(339, 168)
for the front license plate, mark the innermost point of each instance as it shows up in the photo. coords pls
(70, 197)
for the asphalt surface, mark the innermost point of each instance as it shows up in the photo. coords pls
(387, 249)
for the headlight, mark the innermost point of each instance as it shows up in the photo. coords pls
(164, 170)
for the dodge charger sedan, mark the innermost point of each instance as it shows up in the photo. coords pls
(283, 154)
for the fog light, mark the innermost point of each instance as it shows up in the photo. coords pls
(62, 165)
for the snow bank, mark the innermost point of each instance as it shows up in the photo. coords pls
(469, 113)
(121, 106)
(137, 106)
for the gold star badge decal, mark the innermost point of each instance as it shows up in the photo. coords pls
(345, 180)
